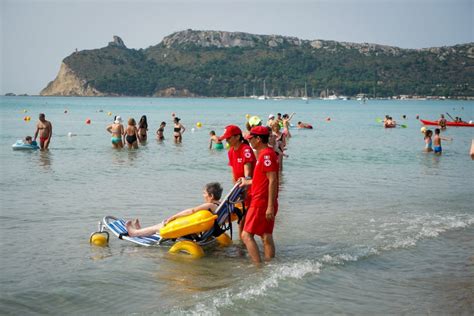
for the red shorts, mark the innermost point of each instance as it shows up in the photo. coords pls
(43, 139)
(256, 223)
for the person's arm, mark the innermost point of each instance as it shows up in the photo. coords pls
(183, 129)
(50, 131)
(109, 129)
(210, 143)
(272, 191)
(137, 136)
(36, 133)
(472, 150)
(446, 138)
(188, 211)
(248, 170)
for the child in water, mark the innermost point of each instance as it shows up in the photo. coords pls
(28, 140)
(437, 141)
(214, 139)
(212, 194)
(428, 141)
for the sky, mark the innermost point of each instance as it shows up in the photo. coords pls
(36, 35)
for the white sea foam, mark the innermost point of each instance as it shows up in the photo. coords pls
(296, 270)
(402, 232)
(287, 271)
(407, 231)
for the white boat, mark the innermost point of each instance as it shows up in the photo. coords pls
(331, 98)
(305, 98)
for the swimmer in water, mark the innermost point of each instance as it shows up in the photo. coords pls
(142, 129)
(117, 131)
(160, 132)
(178, 130)
(428, 141)
(214, 139)
(437, 141)
(131, 134)
(45, 130)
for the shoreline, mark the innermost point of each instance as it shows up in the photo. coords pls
(277, 98)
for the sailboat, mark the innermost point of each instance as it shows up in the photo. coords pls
(305, 98)
(330, 97)
(264, 96)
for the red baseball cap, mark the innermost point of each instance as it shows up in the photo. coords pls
(230, 130)
(258, 131)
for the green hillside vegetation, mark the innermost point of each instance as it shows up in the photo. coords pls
(224, 72)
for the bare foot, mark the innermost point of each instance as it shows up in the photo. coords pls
(136, 223)
(130, 228)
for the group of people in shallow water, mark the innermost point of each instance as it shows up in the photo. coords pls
(255, 159)
(279, 132)
(133, 135)
(436, 141)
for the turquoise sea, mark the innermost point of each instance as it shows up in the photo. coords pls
(368, 223)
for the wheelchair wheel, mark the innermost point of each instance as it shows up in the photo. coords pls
(224, 240)
(187, 247)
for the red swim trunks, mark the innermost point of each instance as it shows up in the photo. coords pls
(256, 222)
(43, 139)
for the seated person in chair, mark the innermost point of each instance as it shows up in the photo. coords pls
(212, 194)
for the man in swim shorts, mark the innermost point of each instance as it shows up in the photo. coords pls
(260, 218)
(437, 142)
(45, 130)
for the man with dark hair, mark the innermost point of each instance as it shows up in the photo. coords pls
(45, 130)
(260, 218)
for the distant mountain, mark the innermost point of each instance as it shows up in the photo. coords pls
(230, 64)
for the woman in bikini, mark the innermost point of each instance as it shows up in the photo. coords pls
(286, 124)
(160, 132)
(131, 134)
(178, 130)
(117, 131)
(279, 143)
(142, 129)
(212, 194)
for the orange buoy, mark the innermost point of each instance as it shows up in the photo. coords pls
(88, 121)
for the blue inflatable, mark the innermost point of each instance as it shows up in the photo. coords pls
(20, 145)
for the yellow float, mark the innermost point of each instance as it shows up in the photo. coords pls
(187, 247)
(224, 240)
(187, 225)
(100, 238)
(199, 124)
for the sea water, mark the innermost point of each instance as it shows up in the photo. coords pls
(368, 223)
